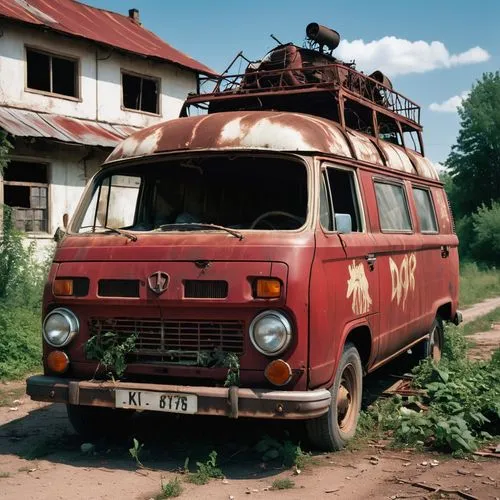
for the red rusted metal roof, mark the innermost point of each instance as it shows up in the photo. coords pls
(271, 131)
(23, 123)
(102, 26)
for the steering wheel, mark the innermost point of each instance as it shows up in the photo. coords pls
(274, 213)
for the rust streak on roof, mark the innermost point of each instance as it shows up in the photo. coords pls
(105, 27)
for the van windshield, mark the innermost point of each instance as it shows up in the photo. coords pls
(238, 192)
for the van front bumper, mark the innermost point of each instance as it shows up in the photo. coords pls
(231, 402)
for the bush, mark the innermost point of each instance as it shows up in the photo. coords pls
(22, 279)
(486, 244)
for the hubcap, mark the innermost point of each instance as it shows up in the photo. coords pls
(346, 413)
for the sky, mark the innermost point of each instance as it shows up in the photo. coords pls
(434, 51)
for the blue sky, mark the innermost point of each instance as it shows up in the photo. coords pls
(429, 73)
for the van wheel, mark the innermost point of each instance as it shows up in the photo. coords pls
(334, 429)
(433, 346)
(92, 422)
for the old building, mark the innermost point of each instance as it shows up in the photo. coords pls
(75, 80)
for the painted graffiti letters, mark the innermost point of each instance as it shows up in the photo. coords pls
(403, 278)
(357, 286)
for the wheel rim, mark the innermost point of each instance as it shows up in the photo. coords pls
(347, 400)
(435, 344)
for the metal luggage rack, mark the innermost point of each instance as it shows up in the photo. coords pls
(336, 77)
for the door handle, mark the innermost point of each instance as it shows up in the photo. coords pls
(371, 259)
(445, 251)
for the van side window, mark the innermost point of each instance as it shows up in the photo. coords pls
(344, 198)
(392, 207)
(325, 215)
(425, 210)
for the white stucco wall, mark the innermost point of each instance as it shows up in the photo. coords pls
(98, 100)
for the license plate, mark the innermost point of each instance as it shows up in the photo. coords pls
(171, 402)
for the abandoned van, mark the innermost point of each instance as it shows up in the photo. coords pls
(255, 257)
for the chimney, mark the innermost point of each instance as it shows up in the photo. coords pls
(134, 15)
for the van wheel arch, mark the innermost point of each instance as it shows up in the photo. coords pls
(361, 338)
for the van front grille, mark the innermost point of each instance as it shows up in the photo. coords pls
(193, 342)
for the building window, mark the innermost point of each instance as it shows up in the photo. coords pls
(50, 73)
(392, 207)
(25, 190)
(140, 93)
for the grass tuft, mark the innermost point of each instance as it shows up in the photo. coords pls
(171, 489)
(282, 484)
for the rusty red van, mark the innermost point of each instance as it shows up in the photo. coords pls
(289, 221)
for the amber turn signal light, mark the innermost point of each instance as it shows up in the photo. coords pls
(267, 288)
(63, 287)
(58, 361)
(278, 372)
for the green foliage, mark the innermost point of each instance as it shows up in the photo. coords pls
(474, 162)
(288, 452)
(232, 362)
(22, 279)
(486, 224)
(282, 484)
(171, 489)
(135, 452)
(110, 351)
(462, 399)
(477, 284)
(483, 323)
(5, 147)
(205, 470)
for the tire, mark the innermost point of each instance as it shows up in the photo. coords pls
(334, 429)
(94, 422)
(431, 347)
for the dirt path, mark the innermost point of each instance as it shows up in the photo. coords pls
(41, 457)
(480, 309)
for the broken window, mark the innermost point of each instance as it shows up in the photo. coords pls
(358, 116)
(412, 139)
(341, 185)
(388, 129)
(140, 93)
(25, 190)
(51, 73)
(392, 207)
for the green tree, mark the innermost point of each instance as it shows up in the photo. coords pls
(474, 162)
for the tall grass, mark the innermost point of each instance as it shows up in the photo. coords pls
(477, 284)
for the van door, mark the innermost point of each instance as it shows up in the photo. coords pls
(344, 283)
(399, 261)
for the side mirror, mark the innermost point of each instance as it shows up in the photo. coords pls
(59, 235)
(343, 223)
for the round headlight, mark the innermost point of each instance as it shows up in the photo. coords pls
(59, 327)
(270, 332)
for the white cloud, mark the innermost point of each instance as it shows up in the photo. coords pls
(397, 56)
(450, 105)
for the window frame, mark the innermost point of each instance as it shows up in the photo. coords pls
(433, 205)
(397, 183)
(158, 81)
(357, 192)
(3, 183)
(59, 55)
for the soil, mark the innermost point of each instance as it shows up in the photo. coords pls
(41, 457)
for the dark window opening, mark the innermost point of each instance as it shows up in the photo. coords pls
(50, 73)
(238, 192)
(358, 117)
(344, 199)
(388, 129)
(140, 93)
(25, 191)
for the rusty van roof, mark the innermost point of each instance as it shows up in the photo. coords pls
(269, 131)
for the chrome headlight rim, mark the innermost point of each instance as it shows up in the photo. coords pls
(73, 326)
(286, 324)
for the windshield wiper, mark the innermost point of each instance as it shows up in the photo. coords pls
(113, 230)
(186, 226)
